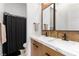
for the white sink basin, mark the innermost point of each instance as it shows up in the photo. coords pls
(46, 38)
(50, 39)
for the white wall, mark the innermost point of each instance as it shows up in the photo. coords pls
(73, 17)
(67, 16)
(18, 9)
(33, 15)
(1, 11)
(1, 20)
(61, 16)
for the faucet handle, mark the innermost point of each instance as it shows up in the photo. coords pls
(64, 36)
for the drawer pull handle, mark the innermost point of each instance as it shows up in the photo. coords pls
(35, 45)
(47, 54)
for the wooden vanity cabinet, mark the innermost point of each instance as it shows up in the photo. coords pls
(39, 49)
(50, 52)
(36, 48)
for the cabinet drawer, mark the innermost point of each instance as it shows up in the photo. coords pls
(36, 44)
(50, 52)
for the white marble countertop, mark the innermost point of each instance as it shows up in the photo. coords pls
(69, 48)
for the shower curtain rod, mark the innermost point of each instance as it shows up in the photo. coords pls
(6, 13)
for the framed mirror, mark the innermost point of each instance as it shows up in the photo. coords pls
(67, 16)
(48, 17)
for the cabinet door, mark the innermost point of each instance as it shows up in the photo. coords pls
(50, 52)
(36, 48)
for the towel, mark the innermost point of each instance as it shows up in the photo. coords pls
(3, 33)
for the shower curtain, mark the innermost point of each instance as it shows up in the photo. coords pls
(15, 33)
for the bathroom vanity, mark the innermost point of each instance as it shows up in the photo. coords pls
(39, 49)
(49, 46)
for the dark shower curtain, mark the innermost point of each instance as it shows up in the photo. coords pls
(15, 33)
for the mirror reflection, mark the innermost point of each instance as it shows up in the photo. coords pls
(48, 18)
(67, 16)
